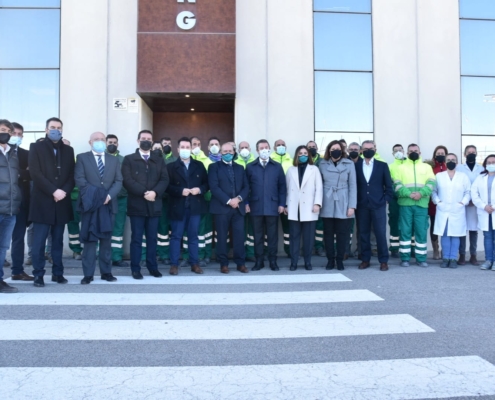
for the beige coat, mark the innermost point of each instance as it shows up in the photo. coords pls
(303, 198)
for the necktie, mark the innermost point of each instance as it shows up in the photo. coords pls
(264, 164)
(146, 156)
(101, 167)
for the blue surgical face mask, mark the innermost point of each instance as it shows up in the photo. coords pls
(15, 141)
(303, 159)
(227, 157)
(54, 135)
(281, 150)
(185, 153)
(99, 146)
(490, 168)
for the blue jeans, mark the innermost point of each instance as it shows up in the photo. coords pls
(140, 225)
(189, 224)
(7, 223)
(450, 245)
(40, 233)
(489, 241)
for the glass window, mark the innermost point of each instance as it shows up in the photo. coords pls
(29, 97)
(343, 42)
(478, 106)
(484, 144)
(484, 9)
(344, 101)
(30, 38)
(361, 6)
(323, 138)
(30, 3)
(478, 47)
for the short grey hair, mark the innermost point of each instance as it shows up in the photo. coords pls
(354, 144)
(369, 142)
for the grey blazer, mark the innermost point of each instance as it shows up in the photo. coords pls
(339, 188)
(86, 173)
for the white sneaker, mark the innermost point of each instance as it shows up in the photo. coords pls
(486, 265)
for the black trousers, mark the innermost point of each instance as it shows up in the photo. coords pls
(18, 234)
(367, 218)
(235, 221)
(306, 229)
(270, 225)
(336, 227)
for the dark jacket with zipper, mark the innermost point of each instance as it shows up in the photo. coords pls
(140, 177)
(49, 172)
(10, 193)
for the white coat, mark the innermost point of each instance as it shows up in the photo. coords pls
(303, 198)
(479, 194)
(448, 195)
(471, 212)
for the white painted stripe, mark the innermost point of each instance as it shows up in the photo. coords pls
(186, 299)
(406, 379)
(277, 328)
(206, 280)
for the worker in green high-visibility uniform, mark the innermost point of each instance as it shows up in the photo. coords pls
(245, 157)
(121, 216)
(74, 228)
(280, 155)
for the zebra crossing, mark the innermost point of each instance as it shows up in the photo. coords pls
(95, 378)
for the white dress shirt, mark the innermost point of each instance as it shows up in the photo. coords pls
(145, 154)
(368, 169)
(98, 155)
(5, 150)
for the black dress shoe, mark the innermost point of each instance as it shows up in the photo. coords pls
(308, 267)
(259, 265)
(120, 263)
(108, 277)
(155, 273)
(59, 279)
(340, 265)
(274, 266)
(39, 282)
(330, 265)
(293, 267)
(5, 288)
(137, 275)
(86, 280)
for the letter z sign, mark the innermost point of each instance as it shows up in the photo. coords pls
(186, 19)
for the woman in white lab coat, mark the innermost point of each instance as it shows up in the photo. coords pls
(451, 195)
(483, 195)
(472, 169)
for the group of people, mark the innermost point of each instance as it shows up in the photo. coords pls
(173, 203)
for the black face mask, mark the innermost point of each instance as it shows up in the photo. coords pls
(112, 149)
(336, 154)
(157, 152)
(354, 154)
(312, 152)
(451, 165)
(471, 158)
(369, 153)
(414, 156)
(167, 149)
(4, 137)
(145, 145)
(440, 159)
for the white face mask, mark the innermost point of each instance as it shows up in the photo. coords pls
(214, 149)
(244, 153)
(490, 168)
(265, 153)
(196, 151)
(15, 140)
(185, 153)
(399, 155)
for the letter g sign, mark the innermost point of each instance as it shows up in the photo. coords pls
(186, 20)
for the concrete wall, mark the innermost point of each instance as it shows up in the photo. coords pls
(98, 63)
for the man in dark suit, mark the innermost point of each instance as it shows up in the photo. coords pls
(51, 165)
(229, 189)
(186, 203)
(266, 201)
(97, 170)
(374, 191)
(21, 222)
(145, 179)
